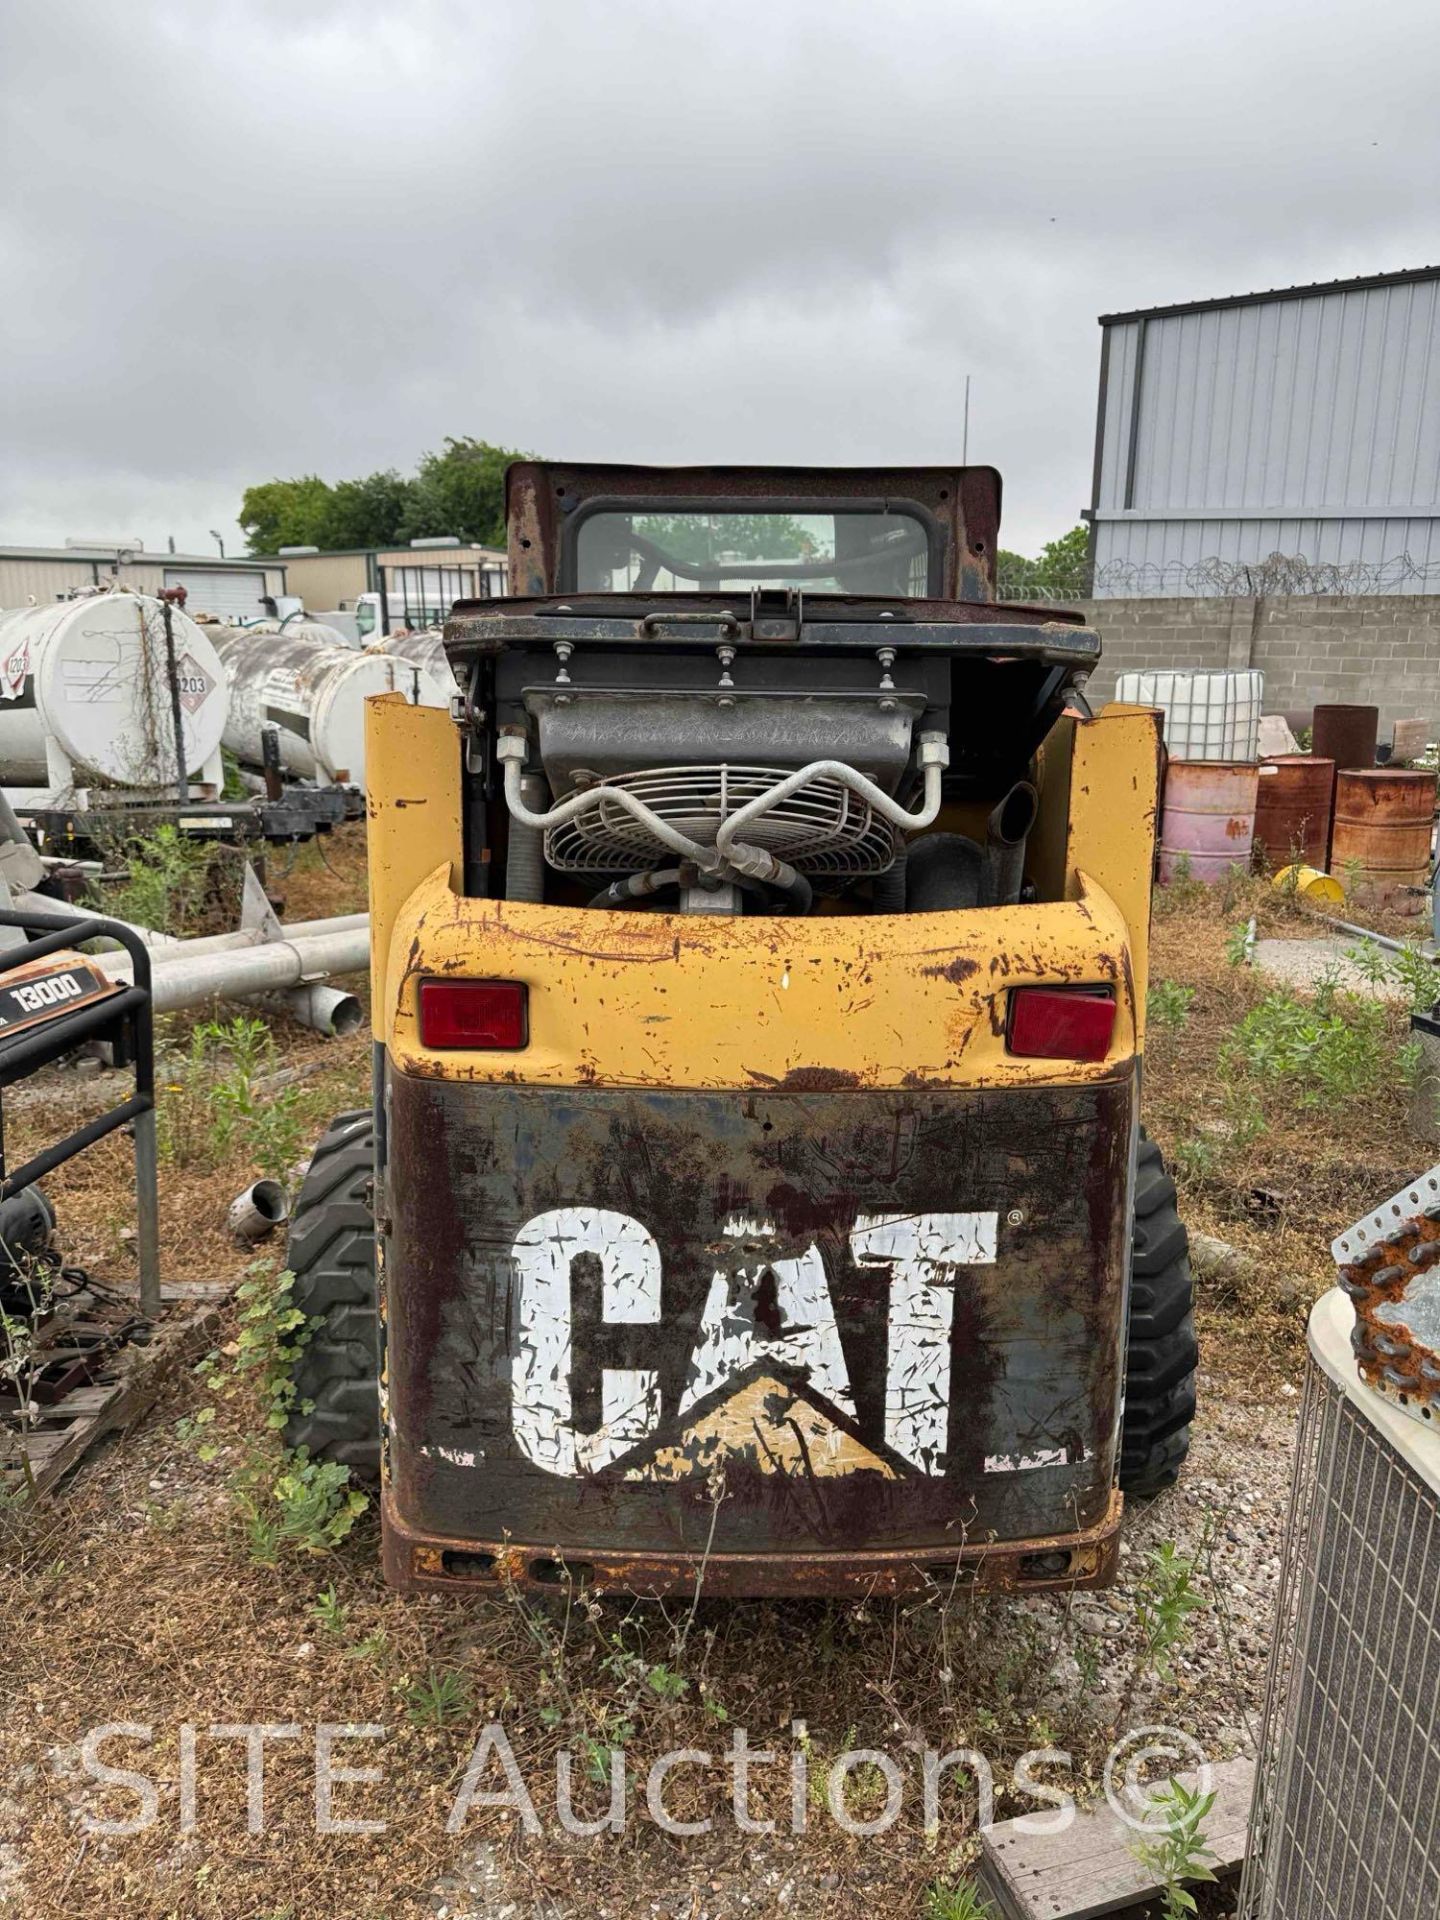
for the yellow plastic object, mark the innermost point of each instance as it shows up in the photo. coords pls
(1309, 883)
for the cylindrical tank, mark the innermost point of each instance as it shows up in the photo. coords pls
(1292, 810)
(425, 648)
(315, 698)
(1208, 715)
(90, 677)
(1381, 842)
(1346, 735)
(303, 627)
(1209, 818)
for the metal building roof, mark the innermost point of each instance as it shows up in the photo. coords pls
(1361, 285)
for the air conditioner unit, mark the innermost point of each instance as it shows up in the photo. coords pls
(1346, 1818)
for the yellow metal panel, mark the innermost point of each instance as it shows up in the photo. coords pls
(412, 804)
(1114, 814)
(664, 1000)
(1046, 850)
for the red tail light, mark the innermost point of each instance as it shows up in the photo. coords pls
(1061, 1023)
(493, 1014)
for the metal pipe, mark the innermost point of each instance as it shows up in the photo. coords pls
(327, 1010)
(208, 943)
(525, 854)
(257, 1211)
(190, 980)
(1006, 832)
(512, 749)
(147, 1211)
(934, 758)
(1380, 939)
(324, 1009)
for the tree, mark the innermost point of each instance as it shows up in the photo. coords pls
(369, 512)
(701, 537)
(1061, 573)
(461, 491)
(285, 513)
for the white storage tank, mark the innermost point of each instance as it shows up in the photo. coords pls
(85, 696)
(305, 626)
(315, 698)
(1209, 713)
(424, 649)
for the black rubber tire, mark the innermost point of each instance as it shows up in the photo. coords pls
(332, 1255)
(1161, 1355)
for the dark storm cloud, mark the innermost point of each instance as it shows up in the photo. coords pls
(256, 239)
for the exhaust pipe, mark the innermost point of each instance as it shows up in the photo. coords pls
(1006, 832)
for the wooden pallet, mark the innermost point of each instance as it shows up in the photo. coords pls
(1089, 1868)
(130, 1380)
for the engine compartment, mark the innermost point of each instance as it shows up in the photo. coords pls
(724, 755)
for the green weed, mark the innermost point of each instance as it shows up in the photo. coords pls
(1331, 1047)
(439, 1700)
(167, 878)
(214, 1101)
(1165, 1599)
(329, 1610)
(1408, 968)
(1178, 1852)
(1167, 1004)
(1193, 1158)
(962, 1901)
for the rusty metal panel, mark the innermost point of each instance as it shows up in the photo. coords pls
(661, 1325)
(963, 501)
(1390, 1268)
(676, 1000)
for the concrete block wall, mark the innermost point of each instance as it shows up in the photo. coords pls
(1376, 650)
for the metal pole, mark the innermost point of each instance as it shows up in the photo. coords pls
(147, 1211)
(182, 772)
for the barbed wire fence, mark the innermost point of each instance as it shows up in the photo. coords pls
(1278, 573)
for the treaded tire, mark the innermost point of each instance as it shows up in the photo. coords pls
(332, 1255)
(1161, 1354)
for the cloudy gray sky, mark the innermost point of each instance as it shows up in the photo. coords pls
(264, 237)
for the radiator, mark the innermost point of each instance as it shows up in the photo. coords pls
(1346, 1819)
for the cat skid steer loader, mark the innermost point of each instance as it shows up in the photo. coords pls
(754, 1194)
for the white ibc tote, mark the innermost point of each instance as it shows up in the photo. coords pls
(1209, 714)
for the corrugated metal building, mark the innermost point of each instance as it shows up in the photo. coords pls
(234, 589)
(419, 584)
(1303, 422)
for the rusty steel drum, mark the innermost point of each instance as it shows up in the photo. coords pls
(1381, 843)
(1209, 818)
(1346, 735)
(1293, 806)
